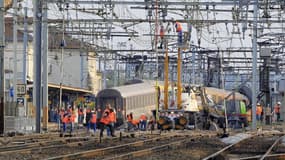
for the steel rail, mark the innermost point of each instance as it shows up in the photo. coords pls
(33, 137)
(270, 149)
(25, 147)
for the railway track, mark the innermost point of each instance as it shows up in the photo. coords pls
(142, 144)
(33, 138)
(42, 150)
(42, 144)
(258, 146)
(132, 149)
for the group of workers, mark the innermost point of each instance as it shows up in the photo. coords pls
(142, 123)
(107, 120)
(260, 112)
(68, 116)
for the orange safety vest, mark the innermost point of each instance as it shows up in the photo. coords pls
(135, 122)
(258, 110)
(65, 119)
(277, 109)
(112, 116)
(178, 27)
(129, 118)
(72, 118)
(94, 118)
(105, 119)
(143, 117)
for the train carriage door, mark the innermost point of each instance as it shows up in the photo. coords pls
(109, 100)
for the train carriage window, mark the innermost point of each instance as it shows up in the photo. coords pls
(131, 102)
(136, 101)
(143, 98)
(141, 101)
(127, 103)
(153, 100)
(149, 99)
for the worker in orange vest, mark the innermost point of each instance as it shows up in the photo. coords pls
(105, 122)
(277, 111)
(93, 121)
(178, 27)
(113, 120)
(143, 120)
(258, 111)
(129, 121)
(64, 121)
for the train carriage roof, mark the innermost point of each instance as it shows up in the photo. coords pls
(129, 90)
(225, 93)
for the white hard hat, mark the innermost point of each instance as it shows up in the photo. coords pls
(258, 104)
(278, 102)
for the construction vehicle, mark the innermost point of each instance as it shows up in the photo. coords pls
(203, 108)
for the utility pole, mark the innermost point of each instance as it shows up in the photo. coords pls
(45, 65)
(37, 62)
(2, 79)
(15, 43)
(179, 85)
(115, 73)
(81, 64)
(254, 65)
(25, 44)
(166, 61)
(61, 59)
(193, 77)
